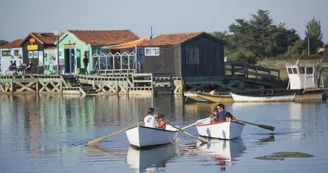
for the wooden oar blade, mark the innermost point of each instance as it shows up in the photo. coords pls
(96, 140)
(92, 142)
(260, 125)
(266, 127)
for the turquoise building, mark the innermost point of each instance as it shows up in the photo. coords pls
(74, 45)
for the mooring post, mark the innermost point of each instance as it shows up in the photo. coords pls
(60, 85)
(37, 85)
(127, 86)
(181, 86)
(116, 87)
(12, 85)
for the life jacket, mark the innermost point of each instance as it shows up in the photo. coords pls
(163, 126)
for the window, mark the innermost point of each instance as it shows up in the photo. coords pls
(16, 52)
(6, 53)
(151, 51)
(30, 54)
(309, 70)
(290, 71)
(295, 70)
(192, 55)
(35, 54)
(302, 70)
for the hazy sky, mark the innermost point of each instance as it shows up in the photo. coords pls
(20, 17)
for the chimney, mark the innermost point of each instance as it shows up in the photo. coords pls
(151, 33)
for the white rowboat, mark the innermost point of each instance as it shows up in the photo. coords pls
(221, 130)
(145, 136)
(274, 98)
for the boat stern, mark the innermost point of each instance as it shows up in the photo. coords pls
(133, 136)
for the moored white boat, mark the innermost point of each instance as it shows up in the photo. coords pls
(221, 130)
(273, 98)
(149, 158)
(142, 136)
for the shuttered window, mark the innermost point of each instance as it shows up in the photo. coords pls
(192, 55)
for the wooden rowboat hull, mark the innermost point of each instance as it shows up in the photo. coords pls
(216, 98)
(193, 96)
(221, 130)
(145, 136)
(246, 98)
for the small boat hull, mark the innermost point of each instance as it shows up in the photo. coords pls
(217, 98)
(280, 98)
(145, 136)
(193, 96)
(221, 130)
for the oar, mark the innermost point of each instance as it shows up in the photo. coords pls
(199, 121)
(92, 142)
(201, 140)
(260, 125)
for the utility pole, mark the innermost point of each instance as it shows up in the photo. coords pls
(308, 35)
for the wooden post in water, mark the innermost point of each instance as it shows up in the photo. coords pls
(127, 86)
(181, 87)
(36, 86)
(116, 87)
(61, 85)
(12, 85)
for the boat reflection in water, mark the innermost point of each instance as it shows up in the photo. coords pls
(223, 151)
(149, 159)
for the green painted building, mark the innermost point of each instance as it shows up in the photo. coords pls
(74, 45)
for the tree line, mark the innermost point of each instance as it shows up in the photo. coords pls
(259, 38)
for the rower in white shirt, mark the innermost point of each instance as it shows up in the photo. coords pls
(150, 119)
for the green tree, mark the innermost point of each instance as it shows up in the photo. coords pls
(259, 38)
(3, 42)
(313, 39)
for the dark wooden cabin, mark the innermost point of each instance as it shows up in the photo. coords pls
(33, 49)
(196, 54)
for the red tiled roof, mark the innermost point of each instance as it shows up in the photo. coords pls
(171, 39)
(43, 38)
(325, 45)
(46, 38)
(13, 44)
(104, 37)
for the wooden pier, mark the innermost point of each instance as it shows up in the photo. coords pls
(128, 81)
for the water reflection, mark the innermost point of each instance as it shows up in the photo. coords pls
(51, 131)
(224, 152)
(149, 160)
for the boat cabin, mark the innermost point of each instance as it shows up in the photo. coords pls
(302, 76)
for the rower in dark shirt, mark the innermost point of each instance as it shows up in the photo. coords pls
(222, 115)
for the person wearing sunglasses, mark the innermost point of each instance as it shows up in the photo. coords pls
(223, 115)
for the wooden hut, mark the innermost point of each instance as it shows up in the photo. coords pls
(33, 47)
(195, 54)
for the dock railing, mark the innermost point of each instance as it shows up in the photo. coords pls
(253, 72)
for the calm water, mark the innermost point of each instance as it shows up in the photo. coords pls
(50, 133)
